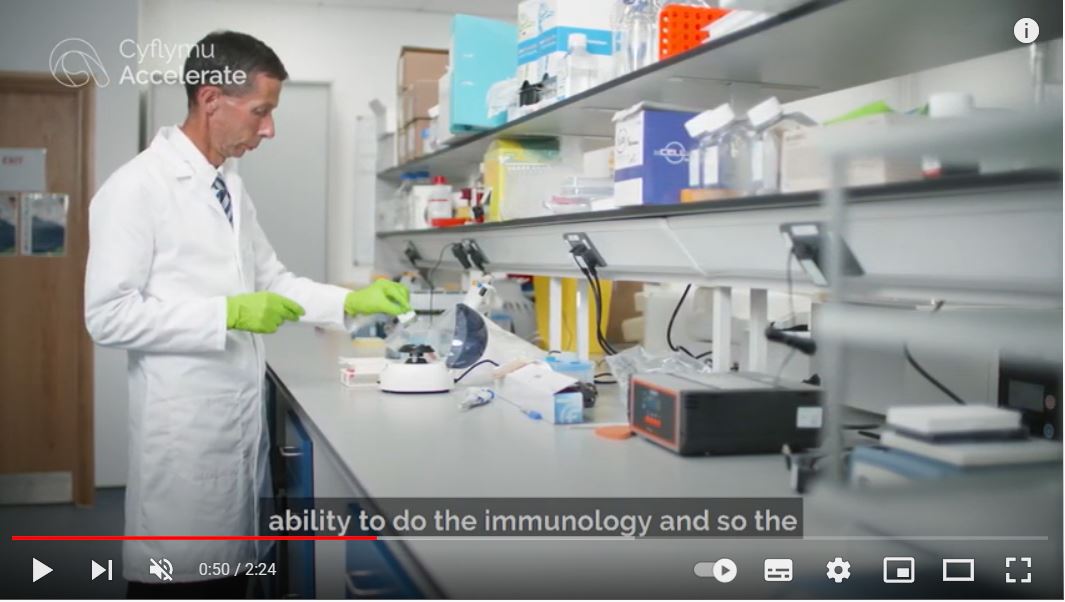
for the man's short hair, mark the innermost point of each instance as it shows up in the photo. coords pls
(221, 52)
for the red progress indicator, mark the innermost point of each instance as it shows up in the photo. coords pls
(193, 538)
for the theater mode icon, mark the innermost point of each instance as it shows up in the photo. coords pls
(959, 569)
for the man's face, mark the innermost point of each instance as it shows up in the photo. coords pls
(242, 121)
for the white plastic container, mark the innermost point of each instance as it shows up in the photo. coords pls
(580, 67)
(947, 105)
(580, 194)
(724, 151)
(770, 123)
(439, 205)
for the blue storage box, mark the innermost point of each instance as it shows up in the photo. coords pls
(650, 154)
(483, 52)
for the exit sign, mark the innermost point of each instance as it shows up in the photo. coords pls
(22, 169)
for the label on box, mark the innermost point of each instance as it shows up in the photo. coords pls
(809, 417)
(628, 142)
(709, 175)
(757, 161)
(600, 41)
(569, 408)
(694, 162)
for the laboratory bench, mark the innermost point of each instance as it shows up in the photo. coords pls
(356, 442)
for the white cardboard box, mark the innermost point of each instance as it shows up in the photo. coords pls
(537, 388)
(528, 34)
(803, 167)
(543, 35)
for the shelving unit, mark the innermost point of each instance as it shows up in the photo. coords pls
(986, 240)
(916, 240)
(813, 49)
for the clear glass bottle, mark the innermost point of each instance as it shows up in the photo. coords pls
(580, 66)
(770, 123)
(724, 152)
(635, 34)
(400, 218)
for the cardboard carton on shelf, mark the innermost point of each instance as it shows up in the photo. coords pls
(803, 167)
(417, 64)
(412, 141)
(416, 99)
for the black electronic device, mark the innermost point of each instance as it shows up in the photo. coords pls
(808, 242)
(724, 413)
(1033, 388)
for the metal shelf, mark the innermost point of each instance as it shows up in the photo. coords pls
(815, 48)
(987, 239)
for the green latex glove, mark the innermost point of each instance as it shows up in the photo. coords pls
(381, 297)
(261, 312)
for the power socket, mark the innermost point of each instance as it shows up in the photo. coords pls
(581, 246)
(475, 254)
(412, 254)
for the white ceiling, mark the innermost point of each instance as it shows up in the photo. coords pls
(506, 9)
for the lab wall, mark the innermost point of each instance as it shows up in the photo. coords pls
(28, 33)
(998, 81)
(354, 50)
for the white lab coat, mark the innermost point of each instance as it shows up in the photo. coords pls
(162, 260)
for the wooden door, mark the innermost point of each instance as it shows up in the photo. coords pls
(46, 405)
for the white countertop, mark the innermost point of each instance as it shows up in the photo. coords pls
(423, 446)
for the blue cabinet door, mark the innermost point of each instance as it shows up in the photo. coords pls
(372, 571)
(298, 456)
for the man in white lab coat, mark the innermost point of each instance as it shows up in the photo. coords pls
(181, 276)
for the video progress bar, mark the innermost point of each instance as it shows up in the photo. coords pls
(193, 538)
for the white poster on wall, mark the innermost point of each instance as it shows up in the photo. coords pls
(44, 224)
(8, 224)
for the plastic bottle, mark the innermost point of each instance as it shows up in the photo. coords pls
(400, 209)
(439, 206)
(414, 200)
(635, 32)
(461, 201)
(947, 105)
(724, 153)
(770, 123)
(580, 67)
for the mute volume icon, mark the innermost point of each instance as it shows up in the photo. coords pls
(161, 569)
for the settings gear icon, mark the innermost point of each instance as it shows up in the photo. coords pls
(839, 570)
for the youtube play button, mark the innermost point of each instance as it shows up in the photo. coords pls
(40, 569)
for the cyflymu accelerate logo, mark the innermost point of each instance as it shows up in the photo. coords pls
(74, 62)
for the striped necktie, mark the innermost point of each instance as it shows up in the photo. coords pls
(222, 194)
